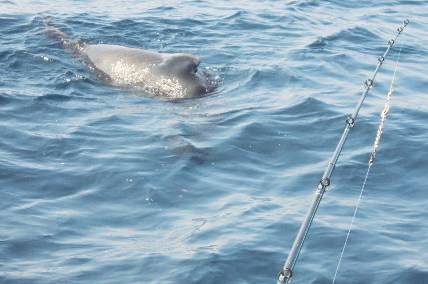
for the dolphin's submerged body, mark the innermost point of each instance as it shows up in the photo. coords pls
(174, 75)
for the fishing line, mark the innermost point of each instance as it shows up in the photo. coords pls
(372, 158)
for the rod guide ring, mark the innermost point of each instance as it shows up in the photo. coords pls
(368, 83)
(350, 121)
(285, 274)
(325, 182)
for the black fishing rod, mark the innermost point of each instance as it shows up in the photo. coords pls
(287, 271)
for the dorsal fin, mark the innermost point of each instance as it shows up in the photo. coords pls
(182, 62)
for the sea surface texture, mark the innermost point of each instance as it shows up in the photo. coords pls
(105, 184)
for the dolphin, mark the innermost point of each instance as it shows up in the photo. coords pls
(174, 75)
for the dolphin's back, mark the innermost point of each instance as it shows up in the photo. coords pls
(115, 59)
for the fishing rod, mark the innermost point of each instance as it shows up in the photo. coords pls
(286, 272)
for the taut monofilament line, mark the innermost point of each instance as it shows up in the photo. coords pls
(287, 271)
(376, 143)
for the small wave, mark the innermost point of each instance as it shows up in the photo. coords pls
(355, 35)
(6, 55)
(236, 14)
(15, 99)
(54, 97)
(126, 23)
(161, 9)
(308, 107)
(305, 4)
(409, 275)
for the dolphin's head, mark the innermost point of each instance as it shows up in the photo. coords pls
(184, 68)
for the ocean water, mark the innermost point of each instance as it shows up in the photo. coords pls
(102, 184)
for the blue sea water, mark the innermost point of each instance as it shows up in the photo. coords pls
(101, 184)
